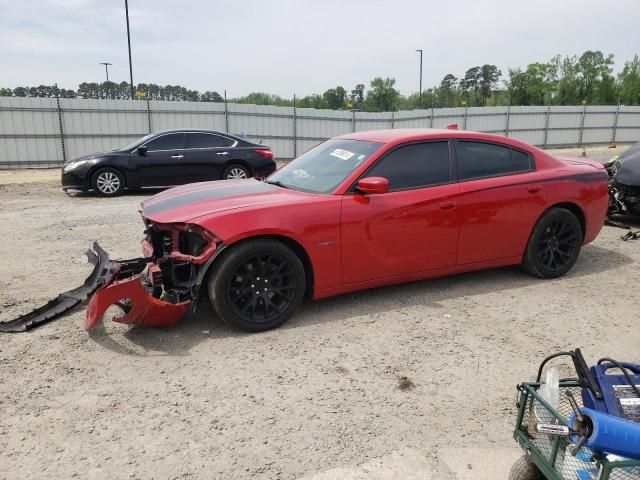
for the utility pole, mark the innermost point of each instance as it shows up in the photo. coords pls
(106, 69)
(126, 8)
(420, 95)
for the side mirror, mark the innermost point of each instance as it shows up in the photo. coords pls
(142, 149)
(373, 185)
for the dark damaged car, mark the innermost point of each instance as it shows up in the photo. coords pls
(624, 183)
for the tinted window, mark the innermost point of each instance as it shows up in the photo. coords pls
(477, 160)
(521, 161)
(414, 166)
(207, 140)
(171, 141)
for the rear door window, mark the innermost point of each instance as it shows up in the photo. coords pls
(480, 160)
(207, 140)
(521, 161)
(170, 141)
(414, 166)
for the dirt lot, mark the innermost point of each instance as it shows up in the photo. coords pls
(324, 397)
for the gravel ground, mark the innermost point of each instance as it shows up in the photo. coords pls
(409, 381)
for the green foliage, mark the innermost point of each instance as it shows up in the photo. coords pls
(382, 97)
(629, 81)
(335, 98)
(568, 80)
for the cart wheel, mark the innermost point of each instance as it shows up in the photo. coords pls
(525, 469)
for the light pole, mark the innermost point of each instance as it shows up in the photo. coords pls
(106, 69)
(126, 8)
(420, 95)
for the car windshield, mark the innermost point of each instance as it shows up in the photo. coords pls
(323, 168)
(138, 142)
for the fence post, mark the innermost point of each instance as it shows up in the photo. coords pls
(546, 125)
(64, 150)
(226, 113)
(392, 119)
(464, 124)
(508, 121)
(149, 112)
(353, 120)
(584, 114)
(295, 129)
(431, 118)
(615, 125)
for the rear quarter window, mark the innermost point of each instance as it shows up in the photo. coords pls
(483, 159)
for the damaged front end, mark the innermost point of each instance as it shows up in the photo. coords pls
(155, 290)
(177, 257)
(624, 182)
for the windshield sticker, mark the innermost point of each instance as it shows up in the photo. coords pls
(342, 154)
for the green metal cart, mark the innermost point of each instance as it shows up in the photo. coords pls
(548, 456)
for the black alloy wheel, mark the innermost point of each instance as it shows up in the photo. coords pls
(554, 244)
(258, 285)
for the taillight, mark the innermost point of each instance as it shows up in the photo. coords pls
(264, 153)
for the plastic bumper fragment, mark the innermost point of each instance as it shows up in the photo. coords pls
(103, 271)
(140, 307)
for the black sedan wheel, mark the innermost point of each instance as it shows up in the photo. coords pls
(554, 244)
(107, 182)
(258, 285)
(235, 172)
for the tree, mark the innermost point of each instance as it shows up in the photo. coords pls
(592, 68)
(517, 86)
(472, 82)
(446, 93)
(335, 98)
(6, 92)
(382, 97)
(488, 80)
(629, 80)
(357, 96)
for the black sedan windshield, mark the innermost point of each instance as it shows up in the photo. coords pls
(323, 168)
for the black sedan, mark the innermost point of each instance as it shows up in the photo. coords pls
(168, 158)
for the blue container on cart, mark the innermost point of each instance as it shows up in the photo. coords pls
(618, 398)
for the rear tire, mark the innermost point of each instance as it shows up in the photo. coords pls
(107, 182)
(525, 469)
(554, 244)
(236, 172)
(257, 285)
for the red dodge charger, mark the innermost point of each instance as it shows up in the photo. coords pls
(357, 211)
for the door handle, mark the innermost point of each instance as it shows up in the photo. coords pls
(177, 156)
(534, 188)
(447, 205)
(222, 153)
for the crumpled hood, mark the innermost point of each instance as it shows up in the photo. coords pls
(188, 202)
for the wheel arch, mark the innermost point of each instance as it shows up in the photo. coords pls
(294, 245)
(573, 208)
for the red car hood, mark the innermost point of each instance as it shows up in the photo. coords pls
(188, 202)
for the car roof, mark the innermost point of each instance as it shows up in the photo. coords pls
(202, 130)
(401, 135)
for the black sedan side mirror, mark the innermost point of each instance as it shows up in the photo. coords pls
(142, 149)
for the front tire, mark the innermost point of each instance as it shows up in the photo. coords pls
(236, 172)
(107, 182)
(554, 244)
(525, 469)
(258, 285)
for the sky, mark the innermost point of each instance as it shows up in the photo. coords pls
(299, 47)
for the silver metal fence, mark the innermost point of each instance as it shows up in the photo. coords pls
(45, 132)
